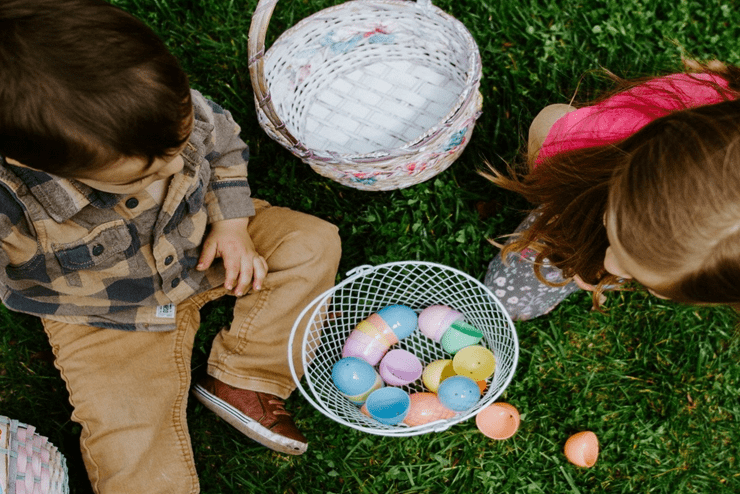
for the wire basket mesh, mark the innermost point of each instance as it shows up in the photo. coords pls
(333, 315)
(29, 463)
(374, 94)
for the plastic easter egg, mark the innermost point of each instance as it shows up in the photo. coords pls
(582, 449)
(400, 367)
(401, 319)
(458, 393)
(355, 379)
(498, 421)
(435, 319)
(435, 373)
(365, 346)
(475, 362)
(383, 327)
(388, 405)
(459, 335)
(426, 408)
(483, 386)
(374, 332)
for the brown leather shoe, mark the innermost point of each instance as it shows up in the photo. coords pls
(259, 416)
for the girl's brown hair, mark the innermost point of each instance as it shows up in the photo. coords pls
(83, 84)
(673, 187)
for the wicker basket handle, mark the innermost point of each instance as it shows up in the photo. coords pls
(256, 52)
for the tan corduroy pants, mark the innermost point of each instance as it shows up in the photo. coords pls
(130, 389)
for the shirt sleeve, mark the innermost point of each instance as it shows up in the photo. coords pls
(623, 114)
(228, 195)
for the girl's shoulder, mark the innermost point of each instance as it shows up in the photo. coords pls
(624, 113)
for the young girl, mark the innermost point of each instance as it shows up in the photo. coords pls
(642, 185)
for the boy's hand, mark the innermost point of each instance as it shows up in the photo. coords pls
(230, 241)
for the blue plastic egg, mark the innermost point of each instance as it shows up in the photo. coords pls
(458, 393)
(401, 319)
(355, 379)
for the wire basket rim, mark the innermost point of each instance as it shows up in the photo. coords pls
(437, 426)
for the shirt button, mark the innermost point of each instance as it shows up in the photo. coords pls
(168, 260)
(132, 203)
(97, 249)
(175, 282)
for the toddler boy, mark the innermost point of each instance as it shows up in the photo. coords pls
(119, 188)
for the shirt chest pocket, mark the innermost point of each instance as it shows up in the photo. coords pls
(102, 248)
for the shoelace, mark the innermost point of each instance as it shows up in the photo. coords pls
(279, 406)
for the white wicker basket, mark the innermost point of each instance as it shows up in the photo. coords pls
(374, 94)
(29, 463)
(334, 314)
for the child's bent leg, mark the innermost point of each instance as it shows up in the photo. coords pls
(129, 392)
(302, 253)
(522, 294)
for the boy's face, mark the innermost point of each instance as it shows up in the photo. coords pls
(132, 175)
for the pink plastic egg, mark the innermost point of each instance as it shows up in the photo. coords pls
(426, 408)
(435, 319)
(366, 343)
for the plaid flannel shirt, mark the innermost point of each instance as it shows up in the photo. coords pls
(74, 254)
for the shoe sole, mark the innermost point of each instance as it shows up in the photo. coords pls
(247, 426)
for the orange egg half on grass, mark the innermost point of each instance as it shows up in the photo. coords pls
(582, 449)
(498, 421)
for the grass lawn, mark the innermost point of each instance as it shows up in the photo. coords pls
(659, 383)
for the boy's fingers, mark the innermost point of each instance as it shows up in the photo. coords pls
(260, 271)
(245, 276)
(207, 255)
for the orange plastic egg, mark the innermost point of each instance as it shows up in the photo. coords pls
(425, 408)
(498, 421)
(582, 449)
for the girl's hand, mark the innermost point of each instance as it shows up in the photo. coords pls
(229, 240)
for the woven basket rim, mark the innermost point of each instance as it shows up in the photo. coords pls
(258, 55)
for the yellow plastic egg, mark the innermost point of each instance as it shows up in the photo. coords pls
(435, 373)
(475, 362)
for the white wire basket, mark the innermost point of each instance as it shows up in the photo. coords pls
(29, 463)
(334, 314)
(374, 94)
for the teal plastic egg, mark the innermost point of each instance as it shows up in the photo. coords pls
(353, 376)
(401, 319)
(458, 393)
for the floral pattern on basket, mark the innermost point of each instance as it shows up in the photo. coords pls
(455, 143)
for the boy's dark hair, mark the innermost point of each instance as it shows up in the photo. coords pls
(83, 84)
